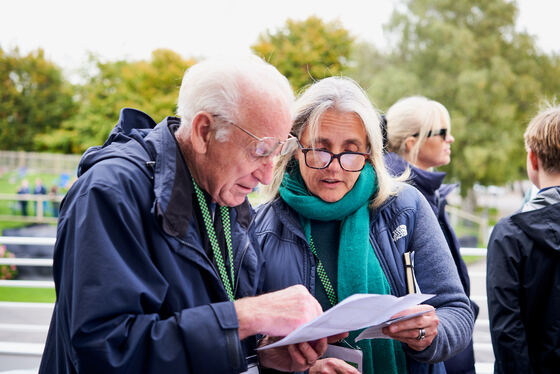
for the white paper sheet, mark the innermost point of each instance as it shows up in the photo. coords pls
(353, 313)
(375, 331)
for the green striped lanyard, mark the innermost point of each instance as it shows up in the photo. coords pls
(214, 241)
(327, 285)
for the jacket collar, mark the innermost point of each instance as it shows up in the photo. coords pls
(542, 222)
(288, 217)
(428, 182)
(173, 187)
(544, 197)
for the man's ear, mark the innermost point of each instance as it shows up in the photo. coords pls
(409, 143)
(533, 159)
(201, 131)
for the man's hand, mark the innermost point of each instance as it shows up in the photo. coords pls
(276, 313)
(408, 331)
(295, 357)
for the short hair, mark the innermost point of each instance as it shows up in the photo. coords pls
(413, 115)
(343, 95)
(220, 84)
(543, 138)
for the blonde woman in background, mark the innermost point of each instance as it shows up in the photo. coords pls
(419, 139)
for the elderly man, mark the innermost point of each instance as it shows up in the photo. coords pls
(155, 264)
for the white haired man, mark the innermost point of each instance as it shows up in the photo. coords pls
(155, 264)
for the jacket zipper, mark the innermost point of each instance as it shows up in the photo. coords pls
(247, 241)
(384, 267)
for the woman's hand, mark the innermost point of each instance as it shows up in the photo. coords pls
(418, 332)
(332, 366)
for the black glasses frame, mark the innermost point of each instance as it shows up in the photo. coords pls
(333, 156)
(440, 132)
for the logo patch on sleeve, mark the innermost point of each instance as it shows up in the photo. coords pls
(399, 232)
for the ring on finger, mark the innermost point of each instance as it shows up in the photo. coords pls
(421, 334)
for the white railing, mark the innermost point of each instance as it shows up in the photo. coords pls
(26, 240)
(44, 262)
(473, 252)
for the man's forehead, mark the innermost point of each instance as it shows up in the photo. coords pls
(266, 118)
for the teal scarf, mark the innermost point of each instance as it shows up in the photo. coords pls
(359, 270)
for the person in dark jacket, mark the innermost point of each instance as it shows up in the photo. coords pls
(523, 268)
(23, 190)
(40, 189)
(340, 225)
(418, 140)
(155, 261)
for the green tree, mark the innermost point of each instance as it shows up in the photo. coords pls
(305, 51)
(34, 99)
(151, 86)
(468, 55)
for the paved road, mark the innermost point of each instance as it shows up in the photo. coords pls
(23, 327)
(23, 331)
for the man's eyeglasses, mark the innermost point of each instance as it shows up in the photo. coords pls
(264, 147)
(441, 132)
(321, 159)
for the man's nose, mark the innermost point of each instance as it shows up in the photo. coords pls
(264, 172)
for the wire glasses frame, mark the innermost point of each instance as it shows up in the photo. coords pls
(440, 132)
(321, 159)
(264, 147)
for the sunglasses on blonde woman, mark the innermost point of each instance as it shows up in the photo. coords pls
(440, 132)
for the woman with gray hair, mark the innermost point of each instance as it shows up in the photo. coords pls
(339, 224)
(419, 139)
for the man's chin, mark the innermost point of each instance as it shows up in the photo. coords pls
(233, 200)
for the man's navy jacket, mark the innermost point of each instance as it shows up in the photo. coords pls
(136, 290)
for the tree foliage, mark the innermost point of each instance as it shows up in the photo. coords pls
(305, 51)
(151, 86)
(468, 56)
(34, 99)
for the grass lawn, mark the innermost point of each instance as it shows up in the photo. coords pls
(25, 294)
(472, 259)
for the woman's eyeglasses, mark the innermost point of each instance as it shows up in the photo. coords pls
(440, 132)
(321, 159)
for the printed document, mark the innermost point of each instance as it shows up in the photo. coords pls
(353, 313)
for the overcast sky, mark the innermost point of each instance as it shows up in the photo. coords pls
(114, 29)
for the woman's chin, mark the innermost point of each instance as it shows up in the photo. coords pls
(330, 196)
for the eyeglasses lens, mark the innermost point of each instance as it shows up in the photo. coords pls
(289, 145)
(352, 162)
(441, 132)
(267, 146)
(264, 147)
(318, 159)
